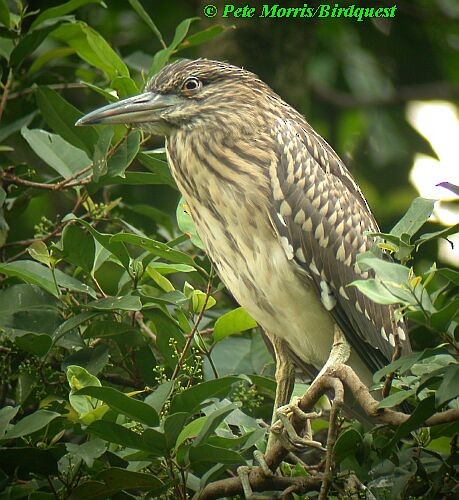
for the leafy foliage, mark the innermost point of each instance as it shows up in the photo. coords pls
(116, 377)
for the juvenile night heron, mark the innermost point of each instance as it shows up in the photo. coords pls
(281, 217)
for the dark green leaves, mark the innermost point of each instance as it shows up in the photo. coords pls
(61, 116)
(122, 403)
(59, 154)
(92, 48)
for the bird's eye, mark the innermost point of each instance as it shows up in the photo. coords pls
(191, 86)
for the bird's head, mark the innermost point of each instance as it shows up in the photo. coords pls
(189, 94)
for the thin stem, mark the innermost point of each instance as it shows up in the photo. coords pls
(191, 335)
(6, 90)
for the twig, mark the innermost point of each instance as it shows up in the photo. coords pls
(191, 335)
(55, 86)
(331, 438)
(6, 90)
(66, 183)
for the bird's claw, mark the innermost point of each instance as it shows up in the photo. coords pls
(286, 433)
(243, 472)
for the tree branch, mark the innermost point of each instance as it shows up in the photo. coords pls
(337, 378)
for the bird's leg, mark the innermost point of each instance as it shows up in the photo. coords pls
(285, 379)
(283, 428)
(340, 352)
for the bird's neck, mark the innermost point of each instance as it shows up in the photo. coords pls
(205, 165)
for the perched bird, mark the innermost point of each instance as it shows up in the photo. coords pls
(281, 217)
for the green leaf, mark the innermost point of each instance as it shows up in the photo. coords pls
(154, 247)
(107, 328)
(72, 323)
(115, 247)
(449, 387)
(212, 421)
(37, 274)
(88, 451)
(78, 378)
(191, 399)
(78, 247)
(29, 43)
(385, 270)
(122, 403)
(235, 321)
(31, 423)
(173, 426)
(418, 213)
(61, 10)
(124, 155)
(203, 36)
(7, 413)
(60, 155)
(61, 116)
(115, 433)
(123, 303)
(186, 224)
(191, 430)
(159, 279)
(118, 479)
(100, 165)
(424, 410)
(16, 125)
(137, 6)
(91, 359)
(4, 14)
(348, 442)
(407, 361)
(34, 343)
(157, 166)
(395, 398)
(164, 268)
(444, 233)
(39, 251)
(160, 395)
(199, 300)
(162, 57)
(92, 48)
(206, 453)
(374, 290)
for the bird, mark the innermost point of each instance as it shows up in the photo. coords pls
(280, 215)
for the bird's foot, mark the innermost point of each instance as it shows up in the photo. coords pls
(286, 433)
(243, 472)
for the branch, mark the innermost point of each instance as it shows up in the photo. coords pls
(58, 186)
(259, 482)
(333, 379)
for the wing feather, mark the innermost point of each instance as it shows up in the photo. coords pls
(319, 208)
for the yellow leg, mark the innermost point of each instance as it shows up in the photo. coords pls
(285, 378)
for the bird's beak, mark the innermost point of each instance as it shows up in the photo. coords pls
(141, 108)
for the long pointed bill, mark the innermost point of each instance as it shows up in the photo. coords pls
(137, 109)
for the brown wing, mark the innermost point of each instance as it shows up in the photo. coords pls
(321, 215)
